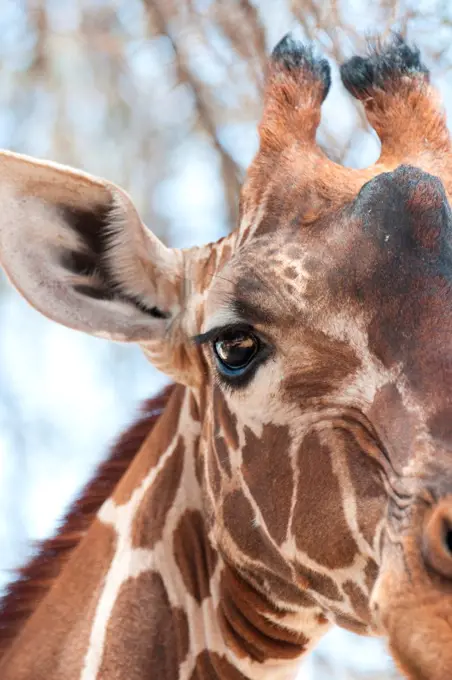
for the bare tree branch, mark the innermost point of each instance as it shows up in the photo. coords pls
(230, 170)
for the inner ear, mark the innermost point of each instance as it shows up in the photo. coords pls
(76, 249)
(99, 239)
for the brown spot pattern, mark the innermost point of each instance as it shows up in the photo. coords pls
(358, 600)
(212, 666)
(194, 554)
(69, 606)
(268, 473)
(370, 574)
(290, 273)
(319, 583)
(155, 640)
(319, 524)
(351, 624)
(370, 496)
(277, 588)
(150, 518)
(163, 433)
(41, 573)
(238, 519)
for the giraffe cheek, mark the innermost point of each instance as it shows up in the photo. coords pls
(320, 525)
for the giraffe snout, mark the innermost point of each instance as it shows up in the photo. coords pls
(437, 538)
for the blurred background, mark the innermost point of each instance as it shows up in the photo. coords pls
(161, 97)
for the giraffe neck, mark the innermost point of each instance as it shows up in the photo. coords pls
(146, 595)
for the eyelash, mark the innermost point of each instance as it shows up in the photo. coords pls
(236, 381)
(214, 333)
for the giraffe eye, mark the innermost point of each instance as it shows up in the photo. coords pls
(235, 350)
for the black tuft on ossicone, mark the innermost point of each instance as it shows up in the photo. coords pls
(292, 55)
(383, 65)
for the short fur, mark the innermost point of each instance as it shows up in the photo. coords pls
(37, 577)
(311, 484)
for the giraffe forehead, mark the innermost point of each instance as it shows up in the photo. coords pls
(266, 281)
(397, 218)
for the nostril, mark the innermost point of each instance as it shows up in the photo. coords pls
(437, 539)
(447, 537)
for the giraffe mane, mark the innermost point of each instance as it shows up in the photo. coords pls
(37, 577)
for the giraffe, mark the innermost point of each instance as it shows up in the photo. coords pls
(296, 475)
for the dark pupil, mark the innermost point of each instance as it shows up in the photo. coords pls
(236, 351)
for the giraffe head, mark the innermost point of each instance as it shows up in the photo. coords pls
(316, 341)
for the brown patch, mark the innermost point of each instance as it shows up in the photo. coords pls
(290, 273)
(58, 633)
(194, 409)
(38, 576)
(277, 588)
(319, 583)
(268, 473)
(150, 518)
(319, 524)
(330, 363)
(246, 630)
(238, 518)
(168, 424)
(212, 666)
(225, 418)
(371, 574)
(358, 600)
(348, 623)
(155, 640)
(194, 554)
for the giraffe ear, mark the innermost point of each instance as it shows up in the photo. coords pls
(76, 249)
